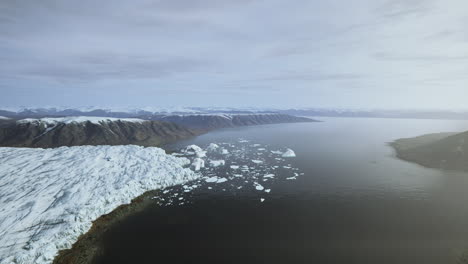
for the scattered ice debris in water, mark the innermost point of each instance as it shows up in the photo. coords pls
(262, 200)
(232, 166)
(289, 153)
(217, 163)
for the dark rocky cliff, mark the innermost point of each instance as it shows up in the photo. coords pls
(441, 151)
(48, 135)
(210, 122)
(54, 132)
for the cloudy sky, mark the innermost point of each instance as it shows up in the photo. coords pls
(266, 53)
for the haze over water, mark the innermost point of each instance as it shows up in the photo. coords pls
(356, 203)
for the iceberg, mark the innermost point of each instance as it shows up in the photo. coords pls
(289, 153)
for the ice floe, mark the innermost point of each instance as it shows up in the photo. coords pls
(217, 163)
(198, 163)
(289, 153)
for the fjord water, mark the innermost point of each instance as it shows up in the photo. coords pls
(355, 203)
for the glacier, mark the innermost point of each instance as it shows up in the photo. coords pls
(50, 197)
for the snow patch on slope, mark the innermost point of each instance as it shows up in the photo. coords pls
(50, 197)
(4, 118)
(78, 119)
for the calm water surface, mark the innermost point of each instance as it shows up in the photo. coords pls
(355, 203)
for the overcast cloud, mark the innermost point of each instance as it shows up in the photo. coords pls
(272, 53)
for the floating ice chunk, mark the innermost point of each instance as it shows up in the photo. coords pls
(269, 176)
(217, 163)
(224, 151)
(212, 179)
(243, 141)
(289, 153)
(215, 179)
(194, 150)
(209, 188)
(277, 152)
(256, 145)
(291, 178)
(234, 167)
(259, 187)
(262, 200)
(268, 190)
(221, 180)
(261, 149)
(212, 147)
(197, 164)
(257, 161)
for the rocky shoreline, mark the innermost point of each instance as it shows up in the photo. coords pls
(446, 151)
(88, 246)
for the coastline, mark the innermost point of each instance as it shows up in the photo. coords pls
(436, 151)
(88, 245)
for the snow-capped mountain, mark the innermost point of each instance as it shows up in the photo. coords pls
(149, 112)
(78, 131)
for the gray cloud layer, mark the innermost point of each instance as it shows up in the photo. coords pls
(363, 53)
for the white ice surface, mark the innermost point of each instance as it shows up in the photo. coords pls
(197, 164)
(217, 163)
(212, 147)
(78, 119)
(49, 197)
(194, 150)
(3, 118)
(289, 153)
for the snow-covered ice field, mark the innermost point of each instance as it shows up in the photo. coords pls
(49, 197)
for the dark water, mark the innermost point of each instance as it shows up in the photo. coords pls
(355, 203)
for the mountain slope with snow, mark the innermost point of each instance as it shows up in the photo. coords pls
(78, 131)
(50, 197)
(216, 121)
